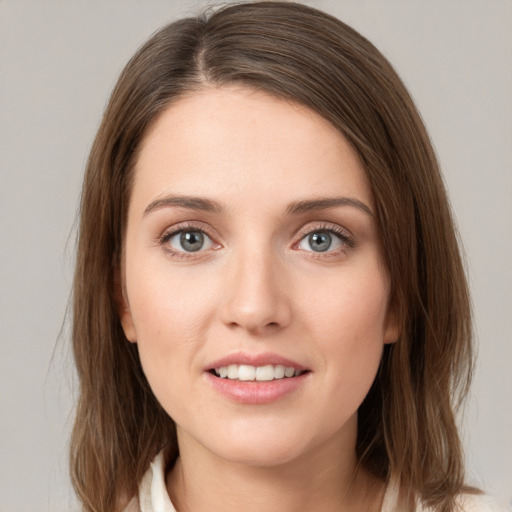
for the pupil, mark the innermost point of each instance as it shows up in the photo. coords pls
(320, 242)
(191, 241)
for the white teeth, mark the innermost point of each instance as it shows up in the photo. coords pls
(279, 371)
(289, 372)
(247, 372)
(233, 371)
(265, 372)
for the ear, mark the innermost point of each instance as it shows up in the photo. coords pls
(123, 307)
(392, 328)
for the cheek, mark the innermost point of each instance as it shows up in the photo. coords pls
(351, 304)
(348, 320)
(165, 318)
(167, 338)
(168, 306)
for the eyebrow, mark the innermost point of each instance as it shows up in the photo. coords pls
(299, 207)
(295, 208)
(190, 202)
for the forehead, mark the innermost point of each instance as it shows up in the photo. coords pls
(235, 141)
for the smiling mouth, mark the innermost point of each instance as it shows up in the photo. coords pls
(248, 373)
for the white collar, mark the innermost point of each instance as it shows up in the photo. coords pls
(153, 496)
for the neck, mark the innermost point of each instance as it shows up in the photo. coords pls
(326, 479)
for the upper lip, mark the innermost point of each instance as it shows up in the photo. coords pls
(264, 359)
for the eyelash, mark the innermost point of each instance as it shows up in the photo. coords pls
(340, 233)
(176, 230)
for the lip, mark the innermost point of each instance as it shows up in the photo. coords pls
(254, 392)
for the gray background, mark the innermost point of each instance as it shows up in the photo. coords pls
(58, 62)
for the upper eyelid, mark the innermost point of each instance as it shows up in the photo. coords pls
(324, 226)
(184, 226)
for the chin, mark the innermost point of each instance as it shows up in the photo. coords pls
(260, 446)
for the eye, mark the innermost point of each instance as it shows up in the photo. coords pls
(188, 240)
(324, 240)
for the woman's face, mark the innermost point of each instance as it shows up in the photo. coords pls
(252, 254)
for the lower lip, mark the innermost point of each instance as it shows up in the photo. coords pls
(256, 392)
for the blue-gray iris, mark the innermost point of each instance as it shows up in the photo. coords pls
(320, 242)
(192, 241)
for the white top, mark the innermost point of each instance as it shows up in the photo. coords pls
(153, 496)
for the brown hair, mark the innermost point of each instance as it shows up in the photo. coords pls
(407, 429)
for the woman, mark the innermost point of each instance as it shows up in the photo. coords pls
(270, 309)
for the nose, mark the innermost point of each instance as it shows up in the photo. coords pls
(256, 299)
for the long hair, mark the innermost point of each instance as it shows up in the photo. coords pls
(406, 424)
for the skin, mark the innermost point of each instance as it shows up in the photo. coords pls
(257, 287)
